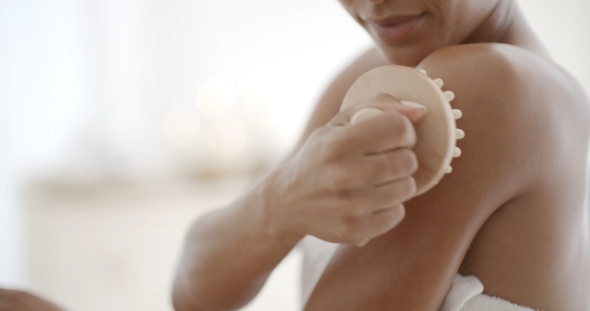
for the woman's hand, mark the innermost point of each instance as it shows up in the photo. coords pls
(348, 181)
(14, 300)
(345, 184)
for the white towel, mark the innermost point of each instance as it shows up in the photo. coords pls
(316, 256)
(466, 294)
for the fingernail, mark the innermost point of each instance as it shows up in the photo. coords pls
(413, 104)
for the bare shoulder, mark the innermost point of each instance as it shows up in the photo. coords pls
(527, 129)
(502, 71)
(519, 72)
(517, 109)
(515, 100)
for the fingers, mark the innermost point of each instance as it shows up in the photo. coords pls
(390, 130)
(384, 102)
(369, 171)
(365, 170)
(381, 124)
(391, 194)
(413, 111)
(384, 132)
(391, 166)
(362, 203)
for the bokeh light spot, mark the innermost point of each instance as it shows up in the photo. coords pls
(216, 97)
(253, 92)
(226, 138)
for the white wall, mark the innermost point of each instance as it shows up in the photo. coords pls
(88, 89)
(564, 27)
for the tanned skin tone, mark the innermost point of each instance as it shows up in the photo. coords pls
(15, 300)
(513, 212)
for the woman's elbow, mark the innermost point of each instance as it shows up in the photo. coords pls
(188, 297)
(182, 300)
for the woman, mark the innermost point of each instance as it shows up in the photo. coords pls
(513, 213)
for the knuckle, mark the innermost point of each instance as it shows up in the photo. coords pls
(342, 231)
(318, 135)
(389, 219)
(365, 175)
(318, 132)
(343, 193)
(408, 161)
(358, 210)
(341, 182)
(394, 215)
(357, 236)
(338, 144)
(397, 164)
(344, 138)
(404, 189)
(408, 186)
(352, 230)
(400, 213)
(397, 124)
(404, 130)
(340, 187)
(409, 135)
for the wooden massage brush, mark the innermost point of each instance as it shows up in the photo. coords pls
(436, 132)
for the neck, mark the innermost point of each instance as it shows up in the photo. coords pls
(506, 24)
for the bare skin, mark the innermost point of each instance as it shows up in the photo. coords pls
(513, 212)
(15, 300)
(230, 252)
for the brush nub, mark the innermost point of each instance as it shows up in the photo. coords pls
(459, 134)
(449, 95)
(437, 133)
(439, 82)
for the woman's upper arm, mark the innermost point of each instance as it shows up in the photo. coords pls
(412, 266)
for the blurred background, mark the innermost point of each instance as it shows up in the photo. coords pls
(123, 120)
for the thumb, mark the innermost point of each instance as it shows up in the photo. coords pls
(374, 107)
(412, 110)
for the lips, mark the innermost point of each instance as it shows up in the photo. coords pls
(393, 20)
(394, 29)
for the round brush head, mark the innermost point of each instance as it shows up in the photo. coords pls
(436, 132)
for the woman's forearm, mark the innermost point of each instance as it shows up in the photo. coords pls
(228, 256)
(345, 184)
